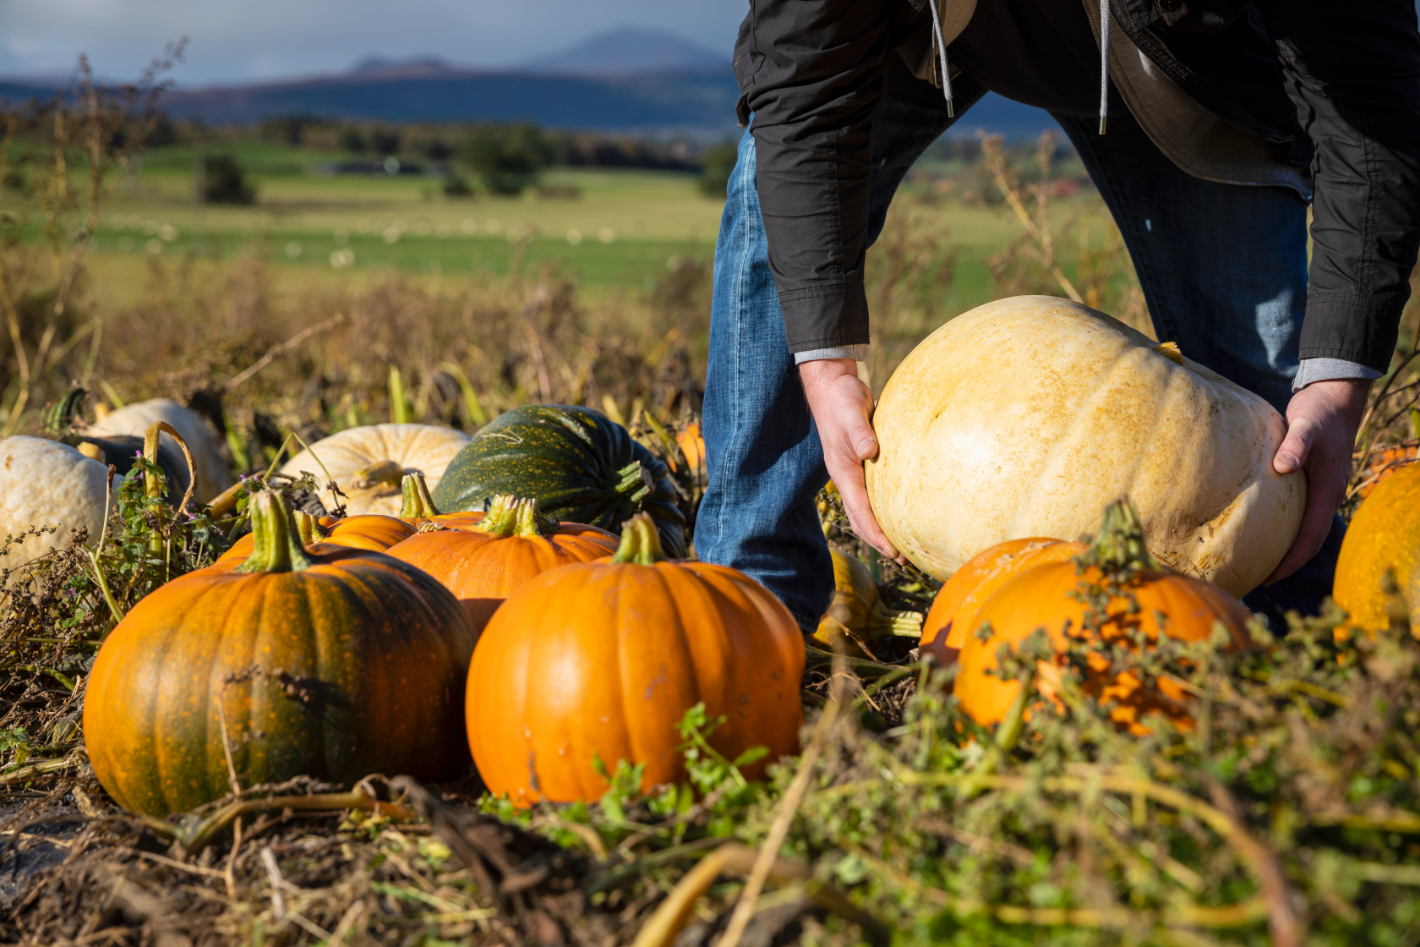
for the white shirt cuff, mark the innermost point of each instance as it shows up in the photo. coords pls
(858, 353)
(1330, 369)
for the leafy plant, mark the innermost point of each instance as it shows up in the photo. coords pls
(508, 158)
(224, 181)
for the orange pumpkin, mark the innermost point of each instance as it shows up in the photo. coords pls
(1383, 539)
(483, 561)
(1137, 592)
(692, 445)
(369, 531)
(332, 663)
(950, 619)
(600, 661)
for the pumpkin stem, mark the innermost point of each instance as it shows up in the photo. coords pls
(1170, 351)
(884, 621)
(635, 481)
(384, 471)
(152, 485)
(275, 537)
(309, 528)
(640, 543)
(1120, 545)
(416, 501)
(515, 516)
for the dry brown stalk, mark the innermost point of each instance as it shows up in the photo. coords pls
(732, 857)
(1037, 225)
(284, 347)
(784, 817)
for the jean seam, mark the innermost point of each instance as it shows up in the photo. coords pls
(741, 255)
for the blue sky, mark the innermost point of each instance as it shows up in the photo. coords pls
(241, 40)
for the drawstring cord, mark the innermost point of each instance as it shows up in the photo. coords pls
(942, 57)
(1104, 62)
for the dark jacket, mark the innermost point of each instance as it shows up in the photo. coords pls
(1298, 86)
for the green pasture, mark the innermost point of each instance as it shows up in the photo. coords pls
(611, 229)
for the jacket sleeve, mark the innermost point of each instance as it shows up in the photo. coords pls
(811, 74)
(1353, 72)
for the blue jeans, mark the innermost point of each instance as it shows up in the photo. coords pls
(1223, 270)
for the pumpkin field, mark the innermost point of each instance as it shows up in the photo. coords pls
(358, 604)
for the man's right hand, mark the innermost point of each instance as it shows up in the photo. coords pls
(843, 410)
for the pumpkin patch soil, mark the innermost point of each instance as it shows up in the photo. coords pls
(76, 868)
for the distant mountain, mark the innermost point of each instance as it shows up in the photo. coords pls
(628, 52)
(372, 66)
(17, 91)
(688, 101)
(626, 80)
(997, 115)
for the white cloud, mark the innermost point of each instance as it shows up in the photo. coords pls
(237, 40)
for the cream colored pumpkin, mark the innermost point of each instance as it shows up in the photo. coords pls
(46, 483)
(213, 475)
(1028, 416)
(369, 462)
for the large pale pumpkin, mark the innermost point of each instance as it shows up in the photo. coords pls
(1026, 416)
(327, 662)
(1384, 536)
(213, 475)
(45, 483)
(601, 660)
(370, 462)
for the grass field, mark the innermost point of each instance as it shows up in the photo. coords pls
(611, 229)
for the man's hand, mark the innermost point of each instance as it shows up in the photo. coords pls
(1322, 420)
(843, 409)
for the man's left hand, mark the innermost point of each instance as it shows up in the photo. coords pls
(1322, 420)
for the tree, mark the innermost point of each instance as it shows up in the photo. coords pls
(384, 141)
(438, 150)
(508, 158)
(286, 128)
(719, 162)
(225, 182)
(353, 140)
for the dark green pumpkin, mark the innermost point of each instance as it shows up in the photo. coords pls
(579, 465)
(322, 661)
(122, 449)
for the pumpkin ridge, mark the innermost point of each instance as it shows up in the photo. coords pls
(505, 655)
(346, 598)
(575, 735)
(149, 775)
(715, 617)
(730, 592)
(204, 729)
(624, 604)
(652, 585)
